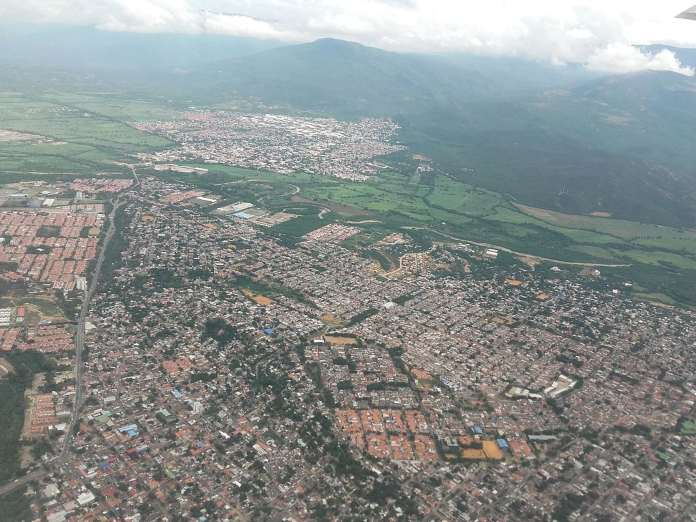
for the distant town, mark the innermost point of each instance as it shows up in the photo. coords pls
(279, 143)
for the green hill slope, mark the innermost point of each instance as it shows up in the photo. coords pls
(559, 138)
(346, 79)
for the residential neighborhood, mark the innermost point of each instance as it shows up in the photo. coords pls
(232, 376)
(276, 142)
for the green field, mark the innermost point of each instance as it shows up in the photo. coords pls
(688, 427)
(90, 130)
(662, 259)
(85, 134)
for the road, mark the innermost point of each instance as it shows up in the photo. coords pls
(135, 175)
(531, 256)
(295, 188)
(363, 222)
(80, 333)
(79, 350)
(22, 481)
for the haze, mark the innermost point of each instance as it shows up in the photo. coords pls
(598, 34)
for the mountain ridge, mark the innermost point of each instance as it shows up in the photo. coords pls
(616, 142)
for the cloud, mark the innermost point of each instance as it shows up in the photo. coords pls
(620, 58)
(597, 33)
(241, 25)
(152, 18)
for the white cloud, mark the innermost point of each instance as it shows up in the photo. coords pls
(621, 58)
(598, 33)
(240, 25)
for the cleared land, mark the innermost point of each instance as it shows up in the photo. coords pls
(340, 340)
(257, 298)
(71, 135)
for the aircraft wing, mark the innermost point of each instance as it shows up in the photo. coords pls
(689, 14)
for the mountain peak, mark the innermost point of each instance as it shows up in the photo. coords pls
(338, 46)
(335, 42)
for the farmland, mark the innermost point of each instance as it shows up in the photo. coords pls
(69, 137)
(78, 133)
(662, 258)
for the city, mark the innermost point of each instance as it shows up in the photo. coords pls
(229, 376)
(377, 260)
(277, 142)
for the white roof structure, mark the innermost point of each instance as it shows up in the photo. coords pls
(85, 498)
(689, 14)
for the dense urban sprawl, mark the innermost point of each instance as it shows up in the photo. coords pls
(278, 143)
(235, 376)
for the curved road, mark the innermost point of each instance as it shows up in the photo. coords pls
(531, 256)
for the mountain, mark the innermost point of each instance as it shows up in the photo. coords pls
(346, 78)
(649, 115)
(349, 79)
(81, 49)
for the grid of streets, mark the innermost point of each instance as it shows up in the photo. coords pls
(278, 143)
(234, 377)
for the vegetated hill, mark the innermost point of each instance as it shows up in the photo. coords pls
(560, 138)
(517, 76)
(510, 149)
(347, 79)
(647, 118)
(621, 144)
(82, 49)
(649, 115)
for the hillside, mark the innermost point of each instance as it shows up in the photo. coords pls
(347, 79)
(556, 137)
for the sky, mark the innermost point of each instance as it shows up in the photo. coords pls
(601, 34)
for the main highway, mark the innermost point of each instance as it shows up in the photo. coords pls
(79, 353)
(80, 333)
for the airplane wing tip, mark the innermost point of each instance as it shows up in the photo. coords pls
(689, 14)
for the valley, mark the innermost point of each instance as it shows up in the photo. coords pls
(252, 270)
(99, 131)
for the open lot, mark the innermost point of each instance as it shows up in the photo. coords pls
(257, 298)
(38, 307)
